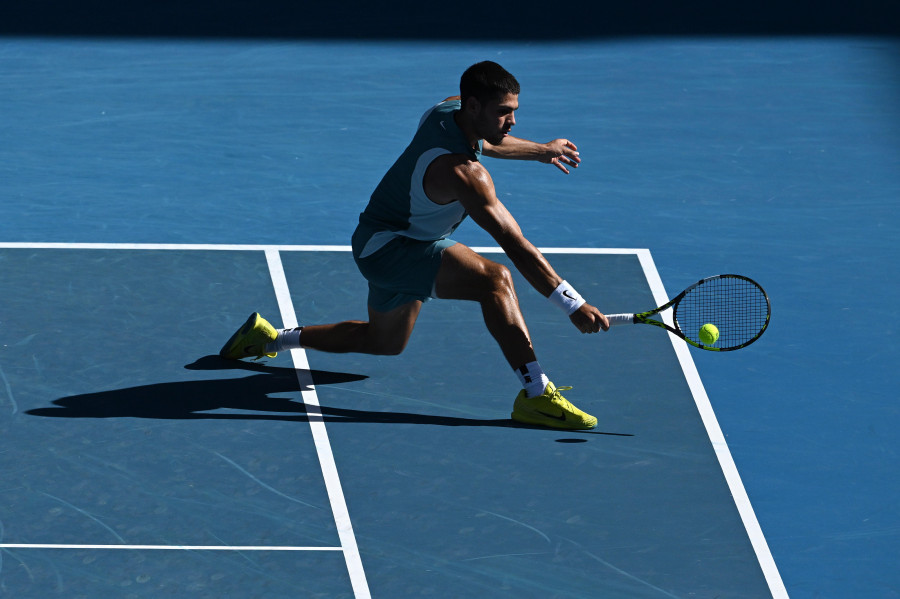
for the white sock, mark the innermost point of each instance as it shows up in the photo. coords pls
(286, 339)
(533, 379)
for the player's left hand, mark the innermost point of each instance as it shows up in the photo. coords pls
(561, 153)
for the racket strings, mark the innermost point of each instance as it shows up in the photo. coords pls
(737, 306)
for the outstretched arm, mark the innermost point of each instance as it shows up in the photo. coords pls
(559, 152)
(454, 177)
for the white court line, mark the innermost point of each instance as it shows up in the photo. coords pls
(222, 247)
(165, 547)
(260, 248)
(348, 541)
(319, 434)
(708, 416)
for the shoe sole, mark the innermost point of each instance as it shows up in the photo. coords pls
(551, 423)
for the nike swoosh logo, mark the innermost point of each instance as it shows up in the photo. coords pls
(568, 295)
(442, 126)
(560, 417)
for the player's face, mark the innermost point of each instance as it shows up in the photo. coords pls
(496, 118)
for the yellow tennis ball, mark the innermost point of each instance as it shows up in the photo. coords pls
(709, 334)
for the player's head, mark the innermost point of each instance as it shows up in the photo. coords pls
(486, 81)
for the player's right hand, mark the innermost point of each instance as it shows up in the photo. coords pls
(589, 319)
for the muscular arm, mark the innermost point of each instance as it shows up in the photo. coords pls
(559, 152)
(455, 177)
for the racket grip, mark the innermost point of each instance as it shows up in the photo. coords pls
(615, 319)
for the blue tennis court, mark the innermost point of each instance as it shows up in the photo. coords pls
(202, 455)
(157, 191)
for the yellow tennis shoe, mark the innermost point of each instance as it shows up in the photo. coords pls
(250, 340)
(550, 409)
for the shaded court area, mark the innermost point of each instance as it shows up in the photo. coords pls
(137, 462)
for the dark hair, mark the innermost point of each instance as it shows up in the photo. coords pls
(486, 81)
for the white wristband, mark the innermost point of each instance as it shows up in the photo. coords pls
(566, 298)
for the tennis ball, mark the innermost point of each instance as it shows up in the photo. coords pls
(709, 334)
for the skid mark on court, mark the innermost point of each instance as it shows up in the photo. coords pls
(264, 485)
(630, 576)
(514, 521)
(85, 514)
(9, 393)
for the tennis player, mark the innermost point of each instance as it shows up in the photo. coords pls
(403, 248)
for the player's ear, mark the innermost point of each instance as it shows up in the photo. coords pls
(473, 106)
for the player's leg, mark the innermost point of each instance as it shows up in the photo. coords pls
(400, 276)
(385, 333)
(467, 275)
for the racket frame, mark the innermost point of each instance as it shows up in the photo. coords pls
(647, 317)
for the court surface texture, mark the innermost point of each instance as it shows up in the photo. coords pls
(156, 192)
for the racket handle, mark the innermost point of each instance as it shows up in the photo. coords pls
(615, 319)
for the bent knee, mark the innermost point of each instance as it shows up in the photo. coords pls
(392, 350)
(388, 346)
(500, 279)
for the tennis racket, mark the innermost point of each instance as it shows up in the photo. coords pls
(736, 305)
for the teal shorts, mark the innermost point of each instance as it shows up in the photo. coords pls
(401, 271)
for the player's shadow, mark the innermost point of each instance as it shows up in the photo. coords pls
(219, 399)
